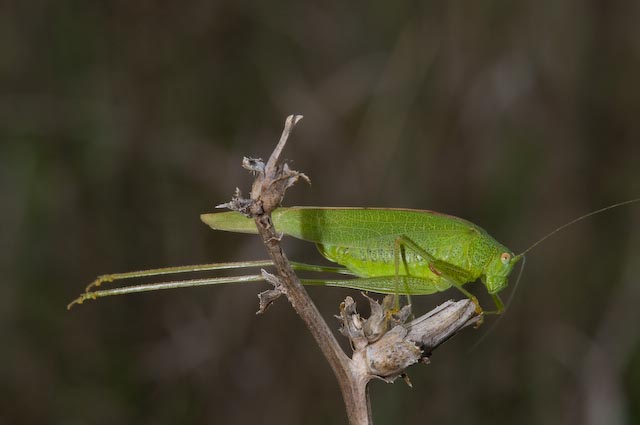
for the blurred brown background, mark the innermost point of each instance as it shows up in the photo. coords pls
(121, 122)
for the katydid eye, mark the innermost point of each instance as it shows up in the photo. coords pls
(505, 257)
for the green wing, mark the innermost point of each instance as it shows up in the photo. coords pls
(356, 227)
(229, 221)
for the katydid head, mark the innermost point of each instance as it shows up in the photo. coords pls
(496, 277)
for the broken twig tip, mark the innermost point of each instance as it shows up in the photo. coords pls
(266, 298)
(254, 165)
(294, 119)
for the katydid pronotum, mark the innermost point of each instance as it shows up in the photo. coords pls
(393, 251)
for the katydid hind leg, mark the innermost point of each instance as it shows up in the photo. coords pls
(108, 278)
(208, 267)
(381, 284)
(92, 295)
(91, 292)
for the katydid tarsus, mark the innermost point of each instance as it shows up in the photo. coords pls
(393, 251)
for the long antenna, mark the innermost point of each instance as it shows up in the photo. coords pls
(575, 220)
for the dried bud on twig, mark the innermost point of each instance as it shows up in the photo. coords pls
(386, 345)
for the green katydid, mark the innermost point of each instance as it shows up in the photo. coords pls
(396, 251)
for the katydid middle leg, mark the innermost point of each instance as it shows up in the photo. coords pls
(404, 241)
(399, 252)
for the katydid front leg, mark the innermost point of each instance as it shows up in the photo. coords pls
(499, 305)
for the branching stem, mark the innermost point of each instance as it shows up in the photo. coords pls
(379, 337)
